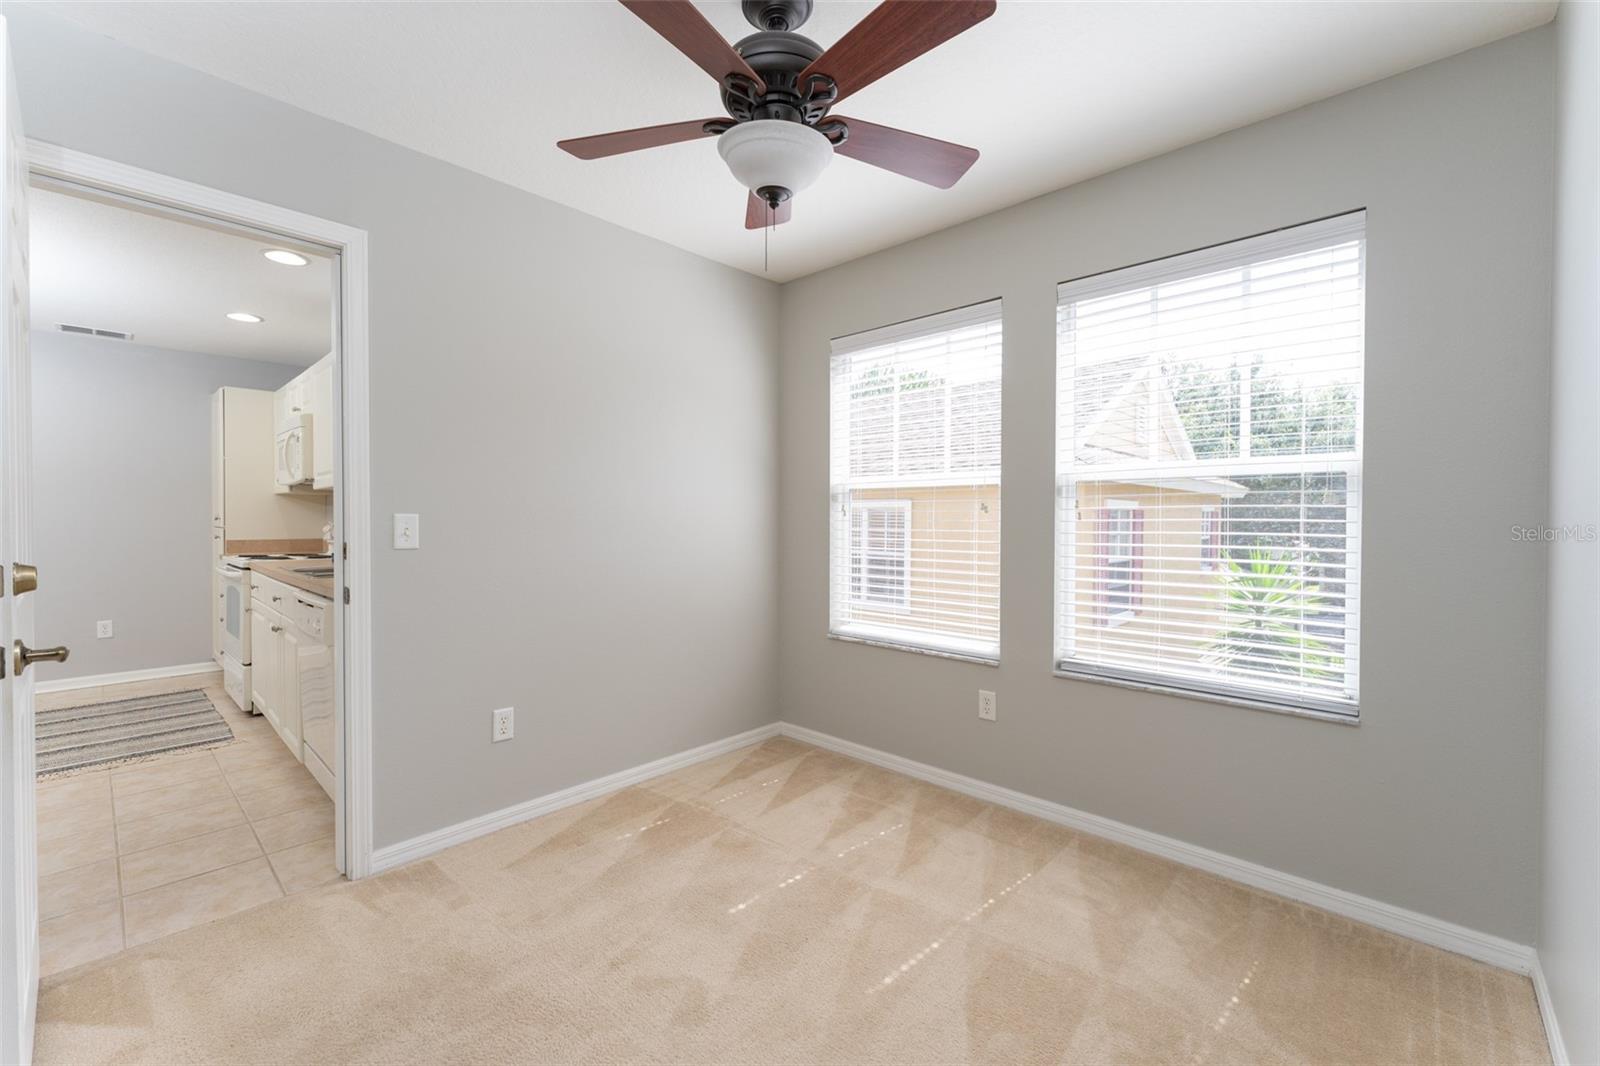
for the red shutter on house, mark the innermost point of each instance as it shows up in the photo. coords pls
(1138, 557)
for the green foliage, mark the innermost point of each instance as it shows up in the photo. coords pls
(1287, 416)
(1265, 604)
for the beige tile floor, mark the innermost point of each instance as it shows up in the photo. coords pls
(143, 850)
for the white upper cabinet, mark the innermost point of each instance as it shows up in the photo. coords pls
(322, 419)
(309, 394)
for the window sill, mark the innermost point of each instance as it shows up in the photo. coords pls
(916, 649)
(1352, 719)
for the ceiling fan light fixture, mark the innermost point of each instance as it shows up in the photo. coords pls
(774, 154)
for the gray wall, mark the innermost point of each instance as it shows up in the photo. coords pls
(585, 420)
(122, 498)
(583, 417)
(1569, 933)
(1433, 802)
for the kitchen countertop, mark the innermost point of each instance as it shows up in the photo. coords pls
(288, 571)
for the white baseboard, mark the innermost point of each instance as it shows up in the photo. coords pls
(67, 684)
(1484, 947)
(420, 847)
(1434, 931)
(1547, 1011)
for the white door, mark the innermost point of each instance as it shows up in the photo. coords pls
(19, 910)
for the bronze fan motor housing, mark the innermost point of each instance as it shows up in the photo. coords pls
(777, 74)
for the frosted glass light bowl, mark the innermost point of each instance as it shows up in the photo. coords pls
(771, 152)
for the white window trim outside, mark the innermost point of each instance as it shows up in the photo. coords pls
(902, 605)
(1128, 614)
(1284, 241)
(1210, 525)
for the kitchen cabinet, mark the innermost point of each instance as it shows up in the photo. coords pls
(309, 393)
(274, 673)
(322, 422)
(267, 690)
(218, 619)
(291, 675)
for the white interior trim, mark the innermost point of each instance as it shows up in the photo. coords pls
(1439, 933)
(69, 684)
(1547, 1011)
(420, 847)
(1436, 932)
(352, 517)
(921, 326)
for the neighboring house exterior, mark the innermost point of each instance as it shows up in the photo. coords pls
(927, 556)
(1148, 553)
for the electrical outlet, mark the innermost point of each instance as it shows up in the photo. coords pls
(986, 705)
(102, 630)
(504, 727)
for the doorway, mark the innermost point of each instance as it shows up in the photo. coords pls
(321, 589)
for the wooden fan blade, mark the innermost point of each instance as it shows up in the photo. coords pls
(938, 163)
(681, 23)
(604, 144)
(756, 214)
(892, 35)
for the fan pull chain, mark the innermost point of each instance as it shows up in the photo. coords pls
(766, 242)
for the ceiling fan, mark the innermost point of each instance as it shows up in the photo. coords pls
(779, 87)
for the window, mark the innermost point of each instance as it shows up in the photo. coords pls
(1210, 537)
(915, 484)
(1118, 574)
(880, 554)
(1208, 460)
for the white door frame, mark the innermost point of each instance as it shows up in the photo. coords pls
(352, 517)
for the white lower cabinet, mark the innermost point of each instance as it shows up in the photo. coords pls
(291, 672)
(274, 671)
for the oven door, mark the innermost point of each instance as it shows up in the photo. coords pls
(234, 584)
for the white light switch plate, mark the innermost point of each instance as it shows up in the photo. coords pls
(407, 531)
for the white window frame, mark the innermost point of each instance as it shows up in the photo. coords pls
(908, 638)
(1124, 511)
(901, 604)
(1212, 529)
(1325, 232)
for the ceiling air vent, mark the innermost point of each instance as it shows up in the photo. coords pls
(90, 331)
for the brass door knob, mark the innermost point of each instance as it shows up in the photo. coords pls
(24, 578)
(23, 656)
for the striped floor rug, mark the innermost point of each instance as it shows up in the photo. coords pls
(98, 733)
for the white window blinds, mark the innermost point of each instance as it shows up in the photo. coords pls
(1208, 458)
(915, 484)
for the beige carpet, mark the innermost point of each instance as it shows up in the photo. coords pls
(785, 904)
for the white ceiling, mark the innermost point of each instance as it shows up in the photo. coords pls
(171, 283)
(1051, 93)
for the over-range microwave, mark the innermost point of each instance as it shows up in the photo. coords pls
(293, 452)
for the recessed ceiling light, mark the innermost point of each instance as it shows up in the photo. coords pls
(285, 257)
(243, 316)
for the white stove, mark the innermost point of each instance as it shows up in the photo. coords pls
(233, 594)
(243, 561)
